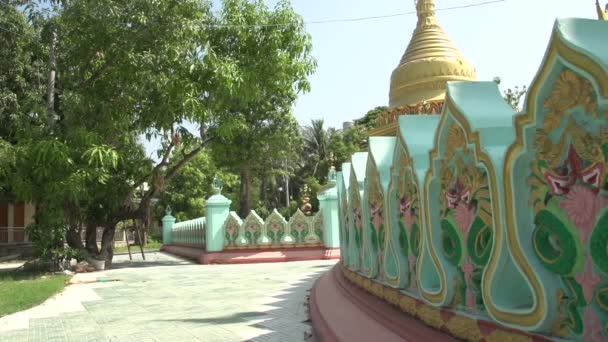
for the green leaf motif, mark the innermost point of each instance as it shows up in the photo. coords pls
(452, 246)
(415, 240)
(403, 241)
(599, 243)
(479, 242)
(554, 244)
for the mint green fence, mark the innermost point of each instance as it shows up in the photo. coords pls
(191, 232)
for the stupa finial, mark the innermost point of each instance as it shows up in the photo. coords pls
(429, 62)
(602, 14)
(426, 13)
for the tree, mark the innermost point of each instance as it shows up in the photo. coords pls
(515, 96)
(269, 52)
(21, 76)
(368, 121)
(345, 143)
(316, 143)
(189, 190)
(125, 69)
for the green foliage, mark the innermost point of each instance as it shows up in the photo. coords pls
(514, 96)
(21, 69)
(369, 119)
(290, 210)
(271, 64)
(345, 143)
(127, 69)
(188, 191)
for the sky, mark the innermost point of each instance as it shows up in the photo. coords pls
(355, 59)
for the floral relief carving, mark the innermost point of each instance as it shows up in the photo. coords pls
(569, 195)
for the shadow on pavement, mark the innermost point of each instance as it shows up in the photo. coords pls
(121, 261)
(290, 302)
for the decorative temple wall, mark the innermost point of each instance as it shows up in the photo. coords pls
(491, 224)
(251, 233)
(221, 236)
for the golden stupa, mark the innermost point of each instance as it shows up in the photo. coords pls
(419, 82)
(602, 14)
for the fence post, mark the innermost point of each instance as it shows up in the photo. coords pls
(216, 213)
(328, 203)
(168, 222)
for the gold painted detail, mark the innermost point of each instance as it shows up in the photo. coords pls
(569, 161)
(465, 328)
(409, 215)
(459, 326)
(392, 115)
(466, 214)
(308, 245)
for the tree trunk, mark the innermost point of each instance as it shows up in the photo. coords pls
(263, 191)
(50, 91)
(107, 243)
(73, 238)
(91, 237)
(246, 183)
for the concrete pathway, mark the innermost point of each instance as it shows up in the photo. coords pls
(168, 299)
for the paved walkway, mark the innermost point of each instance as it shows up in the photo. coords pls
(168, 299)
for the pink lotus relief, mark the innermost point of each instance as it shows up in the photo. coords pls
(407, 212)
(464, 216)
(588, 280)
(275, 227)
(471, 300)
(358, 219)
(230, 230)
(468, 268)
(380, 265)
(583, 205)
(412, 262)
(252, 228)
(593, 326)
(299, 227)
(377, 215)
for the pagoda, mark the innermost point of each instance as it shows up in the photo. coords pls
(419, 82)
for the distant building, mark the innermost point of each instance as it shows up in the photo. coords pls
(346, 125)
(14, 217)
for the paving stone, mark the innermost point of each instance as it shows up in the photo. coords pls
(186, 302)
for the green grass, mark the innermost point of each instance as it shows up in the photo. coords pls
(150, 246)
(21, 290)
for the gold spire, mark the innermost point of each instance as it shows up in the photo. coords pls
(430, 61)
(602, 14)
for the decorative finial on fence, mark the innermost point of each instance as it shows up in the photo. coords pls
(217, 185)
(332, 176)
(306, 206)
(168, 210)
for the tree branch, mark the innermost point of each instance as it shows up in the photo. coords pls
(187, 157)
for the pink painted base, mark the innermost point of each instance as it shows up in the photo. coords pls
(340, 311)
(250, 256)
